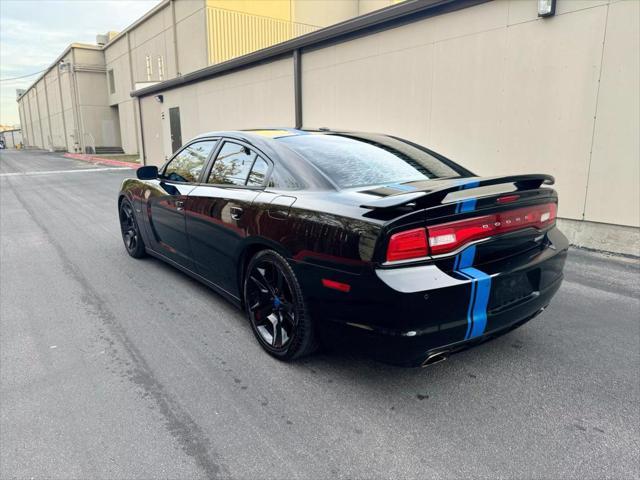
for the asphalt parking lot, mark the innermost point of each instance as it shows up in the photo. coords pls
(117, 368)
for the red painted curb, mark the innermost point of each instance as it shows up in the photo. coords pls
(102, 161)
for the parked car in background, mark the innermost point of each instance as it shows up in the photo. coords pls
(363, 238)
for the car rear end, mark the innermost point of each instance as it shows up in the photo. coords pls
(467, 261)
(456, 259)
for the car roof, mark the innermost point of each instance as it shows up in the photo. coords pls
(299, 166)
(264, 135)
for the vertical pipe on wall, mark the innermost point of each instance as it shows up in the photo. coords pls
(175, 37)
(297, 86)
(137, 110)
(132, 82)
(75, 101)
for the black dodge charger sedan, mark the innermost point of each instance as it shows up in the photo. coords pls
(360, 238)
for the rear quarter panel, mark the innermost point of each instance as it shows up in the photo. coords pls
(323, 233)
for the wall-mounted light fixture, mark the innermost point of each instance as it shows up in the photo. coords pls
(159, 98)
(546, 8)
(63, 66)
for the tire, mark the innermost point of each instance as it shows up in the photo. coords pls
(133, 242)
(283, 327)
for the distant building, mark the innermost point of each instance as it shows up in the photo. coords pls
(11, 137)
(66, 108)
(82, 102)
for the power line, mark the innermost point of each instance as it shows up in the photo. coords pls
(23, 76)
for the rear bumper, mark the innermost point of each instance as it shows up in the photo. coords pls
(403, 315)
(412, 350)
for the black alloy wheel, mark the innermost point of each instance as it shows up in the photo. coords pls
(276, 308)
(130, 232)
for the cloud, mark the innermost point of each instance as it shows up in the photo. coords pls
(34, 33)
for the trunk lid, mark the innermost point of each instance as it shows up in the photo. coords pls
(488, 201)
(432, 192)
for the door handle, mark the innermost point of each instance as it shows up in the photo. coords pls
(179, 205)
(236, 212)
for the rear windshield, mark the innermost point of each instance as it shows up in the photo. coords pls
(361, 160)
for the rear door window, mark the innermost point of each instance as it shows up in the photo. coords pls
(236, 164)
(232, 165)
(258, 173)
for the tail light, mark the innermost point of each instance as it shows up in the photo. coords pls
(448, 237)
(406, 245)
(451, 236)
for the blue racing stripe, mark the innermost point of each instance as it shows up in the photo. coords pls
(480, 291)
(466, 257)
(470, 204)
(470, 307)
(404, 188)
(482, 283)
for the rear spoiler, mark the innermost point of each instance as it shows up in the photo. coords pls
(441, 188)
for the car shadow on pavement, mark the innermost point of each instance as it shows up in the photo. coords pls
(343, 366)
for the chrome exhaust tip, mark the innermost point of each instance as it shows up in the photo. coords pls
(434, 358)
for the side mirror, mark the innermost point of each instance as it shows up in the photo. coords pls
(148, 172)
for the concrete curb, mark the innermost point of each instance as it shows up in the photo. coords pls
(101, 160)
(602, 237)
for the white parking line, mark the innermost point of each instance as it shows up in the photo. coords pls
(53, 172)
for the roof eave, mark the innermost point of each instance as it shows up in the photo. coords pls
(85, 46)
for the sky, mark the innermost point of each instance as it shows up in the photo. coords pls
(34, 32)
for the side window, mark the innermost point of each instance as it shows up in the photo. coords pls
(187, 165)
(258, 173)
(232, 165)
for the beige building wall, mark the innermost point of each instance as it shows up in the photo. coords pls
(34, 116)
(368, 6)
(191, 33)
(614, 170)
(315, 12)
(146, 52)
(67, 97)
(98, 123)
(152, 132)
(42, 111)
(23, 122)
(56, 123)
(250, 98)
(66, 109)
(501, 91)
